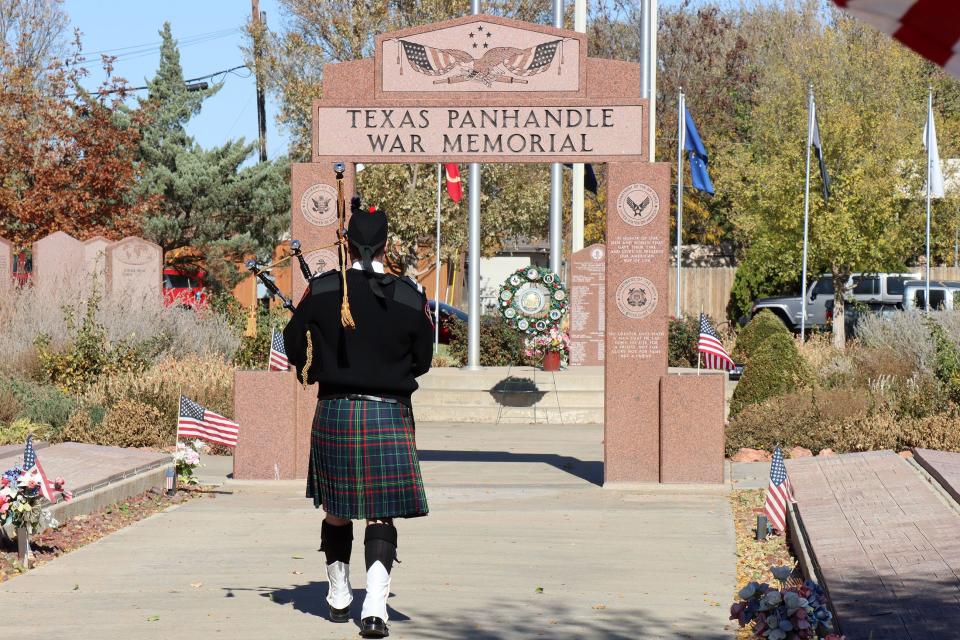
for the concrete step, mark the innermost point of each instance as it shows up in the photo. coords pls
(455, 378)
(541, 397)
(508, 415)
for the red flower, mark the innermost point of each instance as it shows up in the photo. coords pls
(32, 484)
(4, 481)
(58, 481)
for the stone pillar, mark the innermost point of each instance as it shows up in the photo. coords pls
(587, 295)
(691, 427)
(314, 215)
(134, 266)
(265, 406)
(638, 227)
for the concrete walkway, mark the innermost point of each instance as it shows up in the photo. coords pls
(521, 542)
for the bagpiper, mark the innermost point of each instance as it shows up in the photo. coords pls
(363, 455)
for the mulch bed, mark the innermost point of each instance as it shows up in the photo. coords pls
(84, 529)
(754, 558)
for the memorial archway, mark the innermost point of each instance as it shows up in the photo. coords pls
(488, 89)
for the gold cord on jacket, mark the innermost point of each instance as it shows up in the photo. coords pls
(306, 366)
(346, 318)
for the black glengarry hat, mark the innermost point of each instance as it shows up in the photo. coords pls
(367, 232)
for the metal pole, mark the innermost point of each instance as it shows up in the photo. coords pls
(681, 134)
(576, 175)
(644, 49)
(652, 73)
(436, 291)
(259, 25)
(929, 166)
(473, 248)
(806, 216)
(556, 184)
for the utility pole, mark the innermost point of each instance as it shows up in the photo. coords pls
(259, 27)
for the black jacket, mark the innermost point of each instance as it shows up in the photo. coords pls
(391, 345)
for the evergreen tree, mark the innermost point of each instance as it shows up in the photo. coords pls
(204, 199)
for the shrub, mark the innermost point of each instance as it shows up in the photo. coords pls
(10, 406)
(204, 379)
(17, 431)
(774, 368)
(40, 404)
(904, 336)
(762, 326)
(946, 361)
(130, 423)
(801, 418)
(500, 345)
(79, 428)
(933, 432)
(683, 335)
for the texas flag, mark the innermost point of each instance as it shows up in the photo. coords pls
(454, 187)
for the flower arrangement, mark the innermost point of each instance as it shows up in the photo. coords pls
(538, 344)
(187, 458)
(21, 502)
(787, 613)
(533, 300)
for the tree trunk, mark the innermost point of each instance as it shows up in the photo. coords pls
(839, 326)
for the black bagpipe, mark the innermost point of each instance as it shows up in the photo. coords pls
(296, 251)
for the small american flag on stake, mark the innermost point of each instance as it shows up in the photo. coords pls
(33, 471)
(278, 353)
(779, 493)
(714, 355)
(198, 422)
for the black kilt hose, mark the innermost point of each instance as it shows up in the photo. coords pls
(363, 460)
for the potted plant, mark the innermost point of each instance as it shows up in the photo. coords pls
(552, 348)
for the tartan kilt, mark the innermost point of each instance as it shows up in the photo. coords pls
(363, 460)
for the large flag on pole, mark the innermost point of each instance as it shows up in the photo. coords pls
(454, 186)
(818, 150)
(933, 155)
(929, 27)
(693, 145)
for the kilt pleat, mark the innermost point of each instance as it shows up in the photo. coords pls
(363, 460)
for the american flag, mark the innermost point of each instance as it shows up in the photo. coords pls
(779, 493)
(714, 355)
(198, 422)
(530, 61)
(34, 471)
(929, 27)
(429, 60)
(278, 353)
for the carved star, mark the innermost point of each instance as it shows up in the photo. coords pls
(480, 28)
(474, 45)
(485, 45)
(472, 34)
(489, 34)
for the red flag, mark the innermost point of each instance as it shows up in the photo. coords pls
(453, 182)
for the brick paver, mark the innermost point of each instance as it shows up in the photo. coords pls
(942, 465)
(86, 466)
(887, 546)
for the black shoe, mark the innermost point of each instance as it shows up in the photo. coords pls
(340, 615)
(373, 627)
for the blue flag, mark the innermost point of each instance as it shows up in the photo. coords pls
(698, 156)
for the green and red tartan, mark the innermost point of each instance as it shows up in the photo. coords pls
(363, 460)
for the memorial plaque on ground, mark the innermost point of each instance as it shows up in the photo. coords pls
(57, 258)
(587, 292)
(135, 267)
(6, 264)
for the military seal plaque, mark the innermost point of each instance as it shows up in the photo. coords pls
(637, 297)
(638, 204)
(319, 205)
(322, 260)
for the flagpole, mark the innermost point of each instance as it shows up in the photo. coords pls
(929, 163)
(681, 134)
(806, 217)
(436, 291)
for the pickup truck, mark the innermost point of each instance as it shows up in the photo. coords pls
(872, 289)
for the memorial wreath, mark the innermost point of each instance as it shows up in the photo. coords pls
(533, 300)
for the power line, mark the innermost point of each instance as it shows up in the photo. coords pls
(187, 81)
(156, 44)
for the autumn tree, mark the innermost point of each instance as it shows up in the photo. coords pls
(206, 199)
(870, 107)
(68, 154)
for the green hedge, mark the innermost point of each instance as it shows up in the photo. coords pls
(775, 368)
(761, 327)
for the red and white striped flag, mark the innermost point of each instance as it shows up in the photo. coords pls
(709, 345)
(198, 422)
(929, 27)
(278, 353)
(779, 493)
(454, 186)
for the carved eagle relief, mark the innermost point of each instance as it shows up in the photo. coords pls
(638, 209)
(498, 64)
(320, 205)
(637, 297)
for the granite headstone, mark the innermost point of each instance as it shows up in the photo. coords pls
(587, 292)
(134, 267)
(95, 259)
(57, 258)
(6, 264)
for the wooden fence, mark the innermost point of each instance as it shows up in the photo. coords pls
(703, 288)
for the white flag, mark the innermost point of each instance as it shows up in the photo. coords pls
(933, 157)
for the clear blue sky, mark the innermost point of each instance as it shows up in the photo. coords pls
(210, 38)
